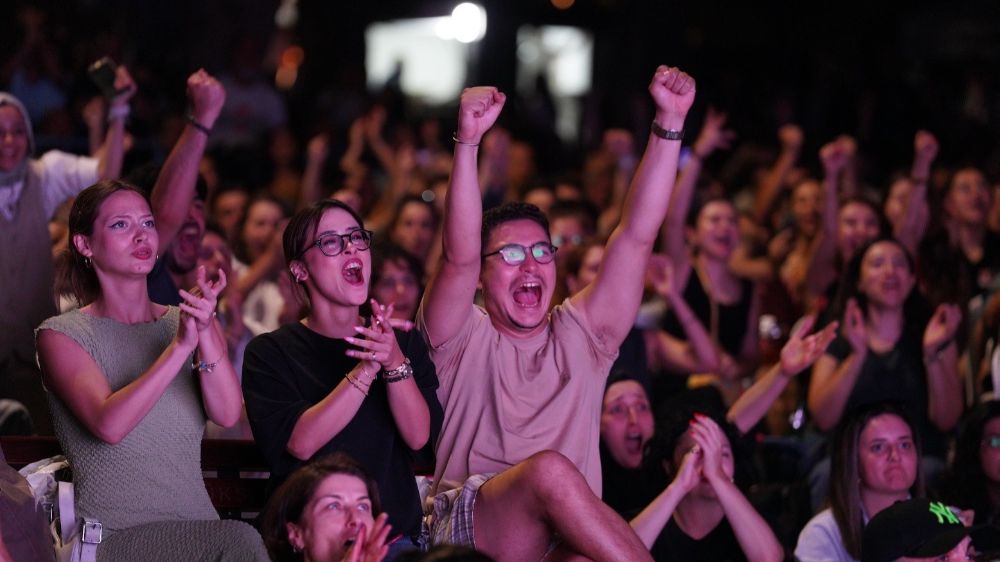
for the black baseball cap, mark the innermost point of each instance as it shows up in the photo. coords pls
(917, 528)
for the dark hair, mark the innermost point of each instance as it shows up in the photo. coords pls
(965, 484)
(301, 228)
(507, 212)
(673, 419)
(239, 245)
(291, 498)
(913, 306)
(845, 472)
(700, 203)
(387, 252)
(406, 200)
(582, 210)
(77, 273)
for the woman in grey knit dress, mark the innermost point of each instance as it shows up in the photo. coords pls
(130, 385)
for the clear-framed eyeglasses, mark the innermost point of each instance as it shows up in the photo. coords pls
(515, 254)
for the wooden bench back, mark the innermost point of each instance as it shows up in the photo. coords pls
(235, 471)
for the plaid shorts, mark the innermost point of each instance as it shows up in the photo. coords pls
(452, 517)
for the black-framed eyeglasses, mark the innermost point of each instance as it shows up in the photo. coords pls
(515, 254)
(332, 244)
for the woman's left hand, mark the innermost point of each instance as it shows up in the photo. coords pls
(941, 329)
(710, 439)
(379, 346)
(200, 302)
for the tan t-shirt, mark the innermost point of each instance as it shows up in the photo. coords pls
(506, 399)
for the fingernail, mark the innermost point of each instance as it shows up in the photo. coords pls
(358, 329)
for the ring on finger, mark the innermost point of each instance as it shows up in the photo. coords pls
(372, 355)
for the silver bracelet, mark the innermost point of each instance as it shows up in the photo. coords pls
(401, 373)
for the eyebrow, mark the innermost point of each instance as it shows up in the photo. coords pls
(326, 232)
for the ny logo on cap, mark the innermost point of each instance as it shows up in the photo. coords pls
(944, 514)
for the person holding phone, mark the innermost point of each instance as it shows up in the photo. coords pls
(30, 191)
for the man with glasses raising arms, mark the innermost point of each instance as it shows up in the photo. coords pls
(521, 387)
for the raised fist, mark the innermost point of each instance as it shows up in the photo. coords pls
(673, 91)
(207, 97)
(790, 136)
(925, 146)
(478, 110)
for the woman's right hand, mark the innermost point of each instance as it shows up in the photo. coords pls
(689, 473)
(370, 546)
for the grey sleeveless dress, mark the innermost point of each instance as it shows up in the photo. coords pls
(147, 490)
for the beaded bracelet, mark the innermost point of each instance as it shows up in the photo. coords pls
(203, 366)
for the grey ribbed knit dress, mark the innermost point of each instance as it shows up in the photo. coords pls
(147, 490)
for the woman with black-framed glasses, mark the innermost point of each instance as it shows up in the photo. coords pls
(334, 383)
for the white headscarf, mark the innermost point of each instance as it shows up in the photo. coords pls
(10, 178)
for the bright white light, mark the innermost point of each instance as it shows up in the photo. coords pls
(444, 28)
(433, 68)
(468, 22)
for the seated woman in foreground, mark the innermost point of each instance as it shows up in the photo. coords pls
(327, 511)
(128, 410)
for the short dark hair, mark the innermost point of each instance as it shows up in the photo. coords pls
(290, 499)
(76, 272)
(583, 210)
(507, 212)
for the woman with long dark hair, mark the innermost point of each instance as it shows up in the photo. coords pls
(876, 462)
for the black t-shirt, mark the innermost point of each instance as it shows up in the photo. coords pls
(895, 376)
(720, 545)
(287, 371)
(629, 491)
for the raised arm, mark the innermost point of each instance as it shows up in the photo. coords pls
(611, 301)
(112, 153)
(696, 353)
(832, 379)
(774, 181)
(175, 186)
(944, 387)
(452, 288)
(822, 268)
(909, 228)
(797, 355)
(712, 137)
(78, 382)
(317, 152)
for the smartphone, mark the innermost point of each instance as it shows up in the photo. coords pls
(102, 72)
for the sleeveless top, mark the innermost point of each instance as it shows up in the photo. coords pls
(154, 473)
